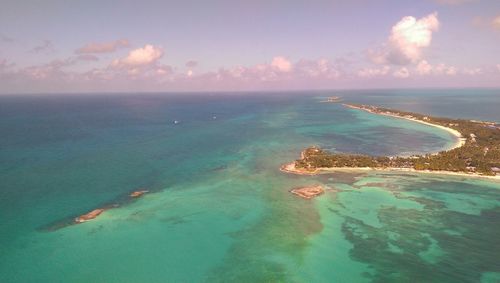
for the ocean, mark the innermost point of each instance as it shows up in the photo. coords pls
(218, 208)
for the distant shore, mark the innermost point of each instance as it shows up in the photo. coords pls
(460, 140)
(332, 99)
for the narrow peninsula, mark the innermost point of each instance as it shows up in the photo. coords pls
(476, 152)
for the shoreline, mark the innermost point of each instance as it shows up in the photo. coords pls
(460, 139)
(290, 168)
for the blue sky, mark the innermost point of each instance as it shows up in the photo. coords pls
(247, 45)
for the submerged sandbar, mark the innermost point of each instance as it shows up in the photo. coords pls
(308, 192)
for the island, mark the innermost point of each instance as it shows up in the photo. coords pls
(333, 99)
(476, 152)
(308, 192)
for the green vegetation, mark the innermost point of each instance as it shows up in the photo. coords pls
(480, 154)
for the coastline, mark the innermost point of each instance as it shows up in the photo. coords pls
(460, 139)
(290, 168)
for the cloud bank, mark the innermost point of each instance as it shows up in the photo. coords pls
(399, 62)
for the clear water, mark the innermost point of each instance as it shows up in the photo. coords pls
(219, 209)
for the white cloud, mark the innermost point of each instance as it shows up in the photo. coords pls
(102, 47)
(407, 40)
(424, 68)
(444, 69)
(373, 72)
(278, 70)
(148, 55)
(282, 64)
(410, 35)
(451, 71)
(321, 68)
(401, 73)
(472, 71)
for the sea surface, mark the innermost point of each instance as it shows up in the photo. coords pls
(219, 209)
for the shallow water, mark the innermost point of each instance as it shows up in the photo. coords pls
(219, 208)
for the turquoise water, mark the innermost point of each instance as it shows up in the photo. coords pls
(219, 209)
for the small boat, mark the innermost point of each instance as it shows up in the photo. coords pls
(176, 122)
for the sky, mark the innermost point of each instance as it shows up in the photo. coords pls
(61, 46)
